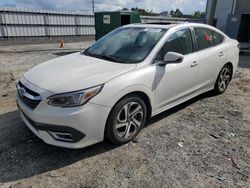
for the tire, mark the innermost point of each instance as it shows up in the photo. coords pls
(120, 128)
(223, 79)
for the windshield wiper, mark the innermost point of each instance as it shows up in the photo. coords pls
(85, 52)
(105, 57)
(112, 58)
(93, 55)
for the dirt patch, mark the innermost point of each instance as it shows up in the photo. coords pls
(6, 80)
(201, 143)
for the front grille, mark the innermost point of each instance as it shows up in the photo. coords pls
(28, 97)
(31, 103)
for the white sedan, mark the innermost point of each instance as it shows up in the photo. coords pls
(114, 87)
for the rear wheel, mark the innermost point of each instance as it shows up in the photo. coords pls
(223, 79)
(126, 120)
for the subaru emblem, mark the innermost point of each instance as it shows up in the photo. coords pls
(21, 91)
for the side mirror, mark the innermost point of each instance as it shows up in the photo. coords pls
(172, 57)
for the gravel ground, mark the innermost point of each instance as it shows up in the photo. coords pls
(204, 142)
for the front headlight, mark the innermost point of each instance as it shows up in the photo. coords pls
(76, 98)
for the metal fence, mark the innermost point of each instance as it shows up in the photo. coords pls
(35, 23)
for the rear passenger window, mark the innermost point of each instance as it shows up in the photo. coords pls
(217, 38)
(204, 38)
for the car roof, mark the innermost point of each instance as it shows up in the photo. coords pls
(159, 26)
(167, 26)
(176, 25)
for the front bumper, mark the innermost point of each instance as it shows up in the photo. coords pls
(75, 127)
(57, 132)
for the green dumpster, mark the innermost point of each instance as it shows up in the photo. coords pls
(108, 21)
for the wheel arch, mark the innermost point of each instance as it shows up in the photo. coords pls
(144, 97)
(231, 65)
(141, 94)
(142, 91)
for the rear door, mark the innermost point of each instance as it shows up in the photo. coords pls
(210, 55)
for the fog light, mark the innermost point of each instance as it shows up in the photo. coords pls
(61, 136)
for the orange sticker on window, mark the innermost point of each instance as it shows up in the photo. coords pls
(208, 37)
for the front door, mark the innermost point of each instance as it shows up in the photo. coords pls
(176, 80)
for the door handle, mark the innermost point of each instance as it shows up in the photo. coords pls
(195, 63)
(221, 54)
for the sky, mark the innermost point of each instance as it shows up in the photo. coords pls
(186, 6)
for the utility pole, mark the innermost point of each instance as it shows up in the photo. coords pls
(93, 6)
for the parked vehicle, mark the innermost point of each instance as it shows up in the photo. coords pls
(111, 89)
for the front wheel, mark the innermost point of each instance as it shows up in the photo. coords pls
(223, 79)
(126, 120)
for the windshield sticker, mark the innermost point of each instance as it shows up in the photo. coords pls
(154, 30)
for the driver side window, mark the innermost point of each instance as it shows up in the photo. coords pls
(180, 42)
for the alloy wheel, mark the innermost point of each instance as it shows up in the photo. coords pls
(129, 120)
(224, 79)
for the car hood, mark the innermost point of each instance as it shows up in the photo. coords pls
(74, 72)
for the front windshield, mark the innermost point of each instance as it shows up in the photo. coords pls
(126, 45)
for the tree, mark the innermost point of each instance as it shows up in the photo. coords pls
(172, 13)
(198, 14)
(178, 13)
(144, 12)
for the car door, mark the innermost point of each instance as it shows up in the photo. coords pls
(176, 81)
(210, 55)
